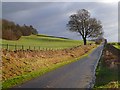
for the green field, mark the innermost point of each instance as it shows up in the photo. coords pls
(115, 44)
(42, 42)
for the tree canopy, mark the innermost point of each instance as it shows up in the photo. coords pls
(86, 26)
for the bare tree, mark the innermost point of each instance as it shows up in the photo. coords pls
(87, 27)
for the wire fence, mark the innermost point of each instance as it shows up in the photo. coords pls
(23, 47)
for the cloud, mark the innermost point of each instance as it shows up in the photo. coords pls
(51, 17)
(105, 1)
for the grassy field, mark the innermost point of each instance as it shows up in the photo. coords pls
(115, 44)
(42, 42)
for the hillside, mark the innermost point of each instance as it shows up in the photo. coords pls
(41, 41)
(117, 46)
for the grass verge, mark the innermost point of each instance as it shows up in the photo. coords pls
(106, 77)
(23, 78)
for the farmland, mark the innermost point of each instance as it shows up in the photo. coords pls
(42, 42)
(115, 44)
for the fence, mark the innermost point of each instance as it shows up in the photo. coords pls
(23, 47)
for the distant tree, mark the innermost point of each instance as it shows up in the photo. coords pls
(87, 27)
(8, 30)
(18, 32)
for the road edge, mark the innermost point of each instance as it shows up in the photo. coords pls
(92, 82)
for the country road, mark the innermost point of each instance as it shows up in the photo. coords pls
(79, 74)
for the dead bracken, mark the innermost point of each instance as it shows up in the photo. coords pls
(19, 62)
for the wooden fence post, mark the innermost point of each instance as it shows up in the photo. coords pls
(29, 47)
(22, 47)
(7, 47)
(34, 47)
(15, 47)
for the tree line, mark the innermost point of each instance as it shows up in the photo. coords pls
(12, 31)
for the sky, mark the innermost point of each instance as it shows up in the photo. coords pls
(51, 17)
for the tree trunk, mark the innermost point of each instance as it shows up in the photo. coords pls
(85, 41)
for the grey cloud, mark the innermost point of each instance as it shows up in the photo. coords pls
(51, 18)
(13, 7)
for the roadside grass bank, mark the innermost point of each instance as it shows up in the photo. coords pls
(39, 66)
(107, 70)
(105, 77)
